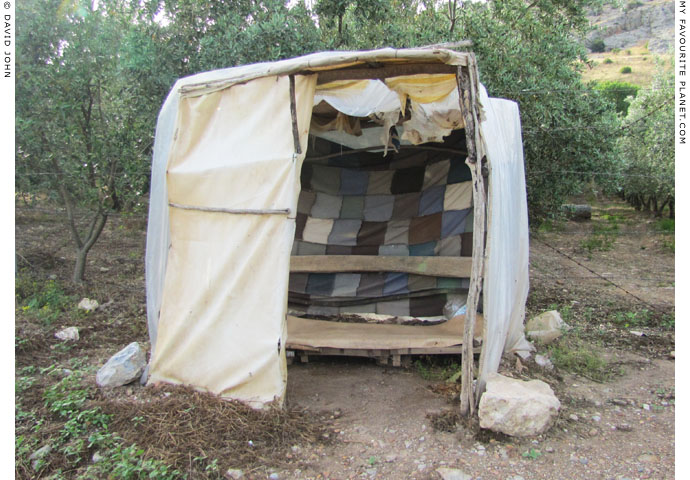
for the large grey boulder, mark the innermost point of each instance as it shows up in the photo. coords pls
(545, 327)
(123, 367)
(516, 407)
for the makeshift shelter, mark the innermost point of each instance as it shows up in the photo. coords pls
(332, 184)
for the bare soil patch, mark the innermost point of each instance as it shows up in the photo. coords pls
(349, 418)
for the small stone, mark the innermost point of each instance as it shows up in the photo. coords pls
(619, 401)
(549, 450)
(518, 408)
(593, 432)
(672, 354)
(88, 304)
(296, 449)
(68, 334)
(421, 467)
(584, 461)
(52, 276)
(123, 367)
(390, 458)
(41, 452)
(371, 472)
(452, 474)
(96, 457)
(274, 476)
(646, 406)
(574, 417)
(648, 458)
(516, 477)
(408, 444)
(624, 427)
(596, 418)
(234, 474)
(104, 269)
(543, 362)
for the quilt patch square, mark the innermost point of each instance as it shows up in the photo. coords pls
(406, 206)
(431, 200)
(353, 182)
(320, 283)
(326, 206)
(380, 182)
(372, 233)
(436, 174)
(344, 232)
(459, 171)
(449, 246)
(394, 250)
(398, 308)
(458, 196)
(353, 207)
(371, 285)
(397, 232)
(378, 208)
(317, 230)
(407, 180)
(454, 222)
(346, 284)
(425, 229)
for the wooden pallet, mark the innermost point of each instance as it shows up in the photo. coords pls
(394, 357)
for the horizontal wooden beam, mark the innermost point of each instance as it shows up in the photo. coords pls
(458, 267)
(384, 71)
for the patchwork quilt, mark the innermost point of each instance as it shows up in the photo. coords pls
(412, 203)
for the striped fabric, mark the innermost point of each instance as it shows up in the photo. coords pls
(413, 203)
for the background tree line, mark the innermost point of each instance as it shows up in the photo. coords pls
(91, 77)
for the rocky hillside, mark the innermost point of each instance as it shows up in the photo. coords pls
(636, 22)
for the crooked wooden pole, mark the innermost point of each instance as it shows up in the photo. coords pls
(468, 90)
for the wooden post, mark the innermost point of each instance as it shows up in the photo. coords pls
(293, 114)
(467, 89)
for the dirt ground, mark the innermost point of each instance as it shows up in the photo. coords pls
(612, 278)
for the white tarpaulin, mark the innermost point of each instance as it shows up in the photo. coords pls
(225, 183)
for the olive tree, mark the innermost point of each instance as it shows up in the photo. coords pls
(81, 134)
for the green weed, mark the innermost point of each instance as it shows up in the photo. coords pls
(666, 225)
(436, 369)
(532, 454)
(572, 354)
(632, 319)
(46, 301)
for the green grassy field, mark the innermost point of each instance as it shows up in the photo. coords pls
(608, 65)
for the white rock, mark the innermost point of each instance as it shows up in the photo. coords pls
(88, 304)
(123, 367)
(543, 362)
(546, 327)
(69, 333)
(516, 407)
(41, 452)
(452, 474)
(234, 474)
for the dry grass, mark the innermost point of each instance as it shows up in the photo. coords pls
(639, 59)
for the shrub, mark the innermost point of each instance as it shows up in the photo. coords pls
(597, 45)
(608, 61)
(618, 93)
(625, 70)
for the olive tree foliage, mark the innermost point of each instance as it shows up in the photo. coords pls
(202, 36)
(527, 52)
(83, 134)
(648, 147)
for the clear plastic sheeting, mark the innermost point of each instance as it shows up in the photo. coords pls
(506, 279)
(217, 269)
